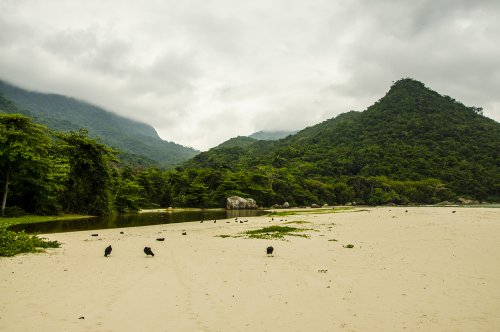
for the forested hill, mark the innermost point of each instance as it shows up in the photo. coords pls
(139, 142)
(411, 136)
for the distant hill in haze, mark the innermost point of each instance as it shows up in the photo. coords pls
(412, 145)
(272, 135)
(139, 142)
(244, 141)
(239, 141)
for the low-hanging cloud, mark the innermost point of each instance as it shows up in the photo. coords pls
(202, 73)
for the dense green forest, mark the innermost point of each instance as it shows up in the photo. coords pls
(412, 146)
(139, 143)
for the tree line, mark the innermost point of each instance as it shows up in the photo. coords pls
(48, 172)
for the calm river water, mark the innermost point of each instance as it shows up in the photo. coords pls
(133, 220)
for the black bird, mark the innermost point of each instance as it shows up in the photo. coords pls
(147, 251)
(107, 251)
(95, 234)
(215, 221)
(160, 239)
(270, 250)
(453, 211)
(201, 222)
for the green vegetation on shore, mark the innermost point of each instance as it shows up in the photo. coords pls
(14, 243)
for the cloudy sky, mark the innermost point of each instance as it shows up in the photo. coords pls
(204, 71)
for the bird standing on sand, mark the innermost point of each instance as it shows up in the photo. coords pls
(270, 250)
(107, 251)
(147, 251)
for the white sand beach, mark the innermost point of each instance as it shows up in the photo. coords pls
(426, 269)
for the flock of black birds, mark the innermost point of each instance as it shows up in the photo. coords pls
(149, 252)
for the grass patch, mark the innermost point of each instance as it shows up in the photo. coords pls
(13, 243)
(31, 219)
(275, 232)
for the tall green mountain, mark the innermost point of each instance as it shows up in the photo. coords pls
(411, 135)
(139, 142)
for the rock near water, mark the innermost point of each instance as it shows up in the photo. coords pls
(237, 203)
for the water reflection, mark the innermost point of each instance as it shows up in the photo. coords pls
(134, 220)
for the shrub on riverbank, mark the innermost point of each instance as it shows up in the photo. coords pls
(14, 243)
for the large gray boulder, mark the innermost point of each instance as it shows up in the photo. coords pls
(238, 203)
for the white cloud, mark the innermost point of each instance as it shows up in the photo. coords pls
(202, 72)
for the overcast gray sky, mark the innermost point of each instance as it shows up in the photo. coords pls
(204, 71)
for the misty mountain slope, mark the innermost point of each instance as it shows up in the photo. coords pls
(412, 133)
(62, 113)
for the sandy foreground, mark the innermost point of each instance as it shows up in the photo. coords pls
(427, 269)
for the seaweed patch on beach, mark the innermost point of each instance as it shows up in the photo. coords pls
(275, 232)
